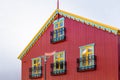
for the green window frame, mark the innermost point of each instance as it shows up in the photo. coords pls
(59, 65)
(59, 23)
(36, 67)
(59, 31)
(58, 28)
(87, 58)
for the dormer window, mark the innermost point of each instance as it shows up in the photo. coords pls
(58, 33)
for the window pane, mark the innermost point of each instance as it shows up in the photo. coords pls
(56, 26)
(57, 65)
(61, 65)
(34, 61)
(61, 24)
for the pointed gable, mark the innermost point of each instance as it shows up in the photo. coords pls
(93, 23)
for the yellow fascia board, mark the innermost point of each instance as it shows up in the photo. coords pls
(37, 35)
(89, 20)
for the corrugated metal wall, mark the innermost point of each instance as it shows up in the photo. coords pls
(78, 34)
(119, 56)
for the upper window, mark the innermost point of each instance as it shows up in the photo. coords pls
(58, 34)
(87, 58)
(36, 70)
(59, 23)
(59, 65)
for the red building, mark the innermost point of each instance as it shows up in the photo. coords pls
(85, 50)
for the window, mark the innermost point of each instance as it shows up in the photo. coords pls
(87, 58)
(59, 23)
(36, 69)
(58, 34)
(59, 65)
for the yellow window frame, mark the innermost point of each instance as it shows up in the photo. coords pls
(37, 64)
(60, 57)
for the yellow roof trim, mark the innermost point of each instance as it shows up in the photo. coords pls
(39, 34)
(89, 21)
(93, 23)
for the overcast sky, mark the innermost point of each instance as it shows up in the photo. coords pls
(21, 19)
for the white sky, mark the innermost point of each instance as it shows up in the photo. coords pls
(21, 19)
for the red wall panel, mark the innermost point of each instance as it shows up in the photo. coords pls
(119, 56)
(77, 34)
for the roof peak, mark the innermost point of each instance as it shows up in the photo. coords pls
(84, 20)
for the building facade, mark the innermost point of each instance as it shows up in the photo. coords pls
(84, 50)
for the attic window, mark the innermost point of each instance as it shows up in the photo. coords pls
(36, 70)
(58, 34)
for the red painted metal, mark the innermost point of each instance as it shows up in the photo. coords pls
(119, 57)
(78, 34)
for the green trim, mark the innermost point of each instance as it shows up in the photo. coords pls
(92, 55)
(40, 64)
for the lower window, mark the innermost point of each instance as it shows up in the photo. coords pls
(36, 70)
(87, 60)
(59, 65)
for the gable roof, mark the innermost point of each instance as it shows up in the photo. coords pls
(93, 23)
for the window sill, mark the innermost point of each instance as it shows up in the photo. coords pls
(58, 72)
(35, 76)
(86, 68)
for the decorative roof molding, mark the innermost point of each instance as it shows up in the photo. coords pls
(90, 22)
(38, 35)
(81, 19)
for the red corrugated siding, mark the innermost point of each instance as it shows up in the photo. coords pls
(119, 56)
(78, 34)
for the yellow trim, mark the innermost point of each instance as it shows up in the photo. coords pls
(21, 54)
(50, 20)
(89, 20)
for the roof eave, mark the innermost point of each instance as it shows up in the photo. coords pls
(39, 34)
